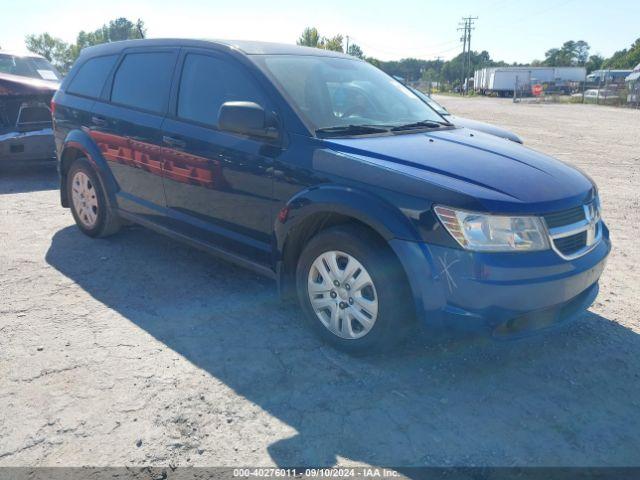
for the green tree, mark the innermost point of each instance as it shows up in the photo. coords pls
(309, 38)
(624, 59)
(374, 61)
(116, 30)
(571, 53)
(452, 70)
(333, 43)
(594, 63)
(581, 50)
(51, 48)
(355, 51)
(62, 55)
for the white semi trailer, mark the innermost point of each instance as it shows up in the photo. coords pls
(504, 80)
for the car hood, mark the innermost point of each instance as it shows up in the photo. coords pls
(500, 175)
(484, 127)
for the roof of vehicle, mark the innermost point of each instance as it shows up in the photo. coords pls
(244, 46)
(633, 76)
(610, 70)
(16, 53)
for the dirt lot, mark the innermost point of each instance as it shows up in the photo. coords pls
(137, 350)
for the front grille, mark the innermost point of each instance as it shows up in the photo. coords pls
(565, 217)
(575, 231)
(571, 244)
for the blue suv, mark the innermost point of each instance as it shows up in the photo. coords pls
(322, 172)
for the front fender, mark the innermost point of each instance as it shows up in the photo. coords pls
(363, 206)
(81, 141)
(399, 232)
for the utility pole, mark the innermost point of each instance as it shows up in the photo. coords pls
(463, 27)
(466, 26)
(347, 50)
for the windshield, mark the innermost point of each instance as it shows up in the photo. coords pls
(32, 67)
(331, 92)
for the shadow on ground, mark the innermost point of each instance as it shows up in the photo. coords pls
(28, 177)
(569, 398)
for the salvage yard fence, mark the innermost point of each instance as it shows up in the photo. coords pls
(611, 93)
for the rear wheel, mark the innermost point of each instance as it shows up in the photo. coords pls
(353, 291)
(87, 201)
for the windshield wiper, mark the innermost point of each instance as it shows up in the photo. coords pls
(350, 130)
(422, 124)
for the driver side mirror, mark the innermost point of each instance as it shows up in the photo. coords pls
(247, 118)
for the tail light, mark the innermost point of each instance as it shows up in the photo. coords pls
(53, 108)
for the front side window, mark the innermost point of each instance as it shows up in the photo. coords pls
(207, 82)
(91, 77)
(333, 92)
(143, 81)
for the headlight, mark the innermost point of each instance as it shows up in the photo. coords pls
(493, 233)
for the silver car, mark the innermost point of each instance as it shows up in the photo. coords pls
(466, 122)
(27, 84)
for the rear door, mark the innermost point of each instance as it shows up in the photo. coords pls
(218, 185)
(126, 125)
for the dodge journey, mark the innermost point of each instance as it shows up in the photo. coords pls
(320, 171)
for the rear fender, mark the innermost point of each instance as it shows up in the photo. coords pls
(80, 141)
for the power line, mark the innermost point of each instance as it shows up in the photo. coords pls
(406, 51)
(539, 11)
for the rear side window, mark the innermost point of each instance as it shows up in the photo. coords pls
(143, 81)
(207, 82)
(91, 77)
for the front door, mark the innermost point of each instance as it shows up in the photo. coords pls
(218, 185)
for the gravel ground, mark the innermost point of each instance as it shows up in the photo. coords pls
(136, 350)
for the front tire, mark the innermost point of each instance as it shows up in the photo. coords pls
(353, 291)
(87, 201)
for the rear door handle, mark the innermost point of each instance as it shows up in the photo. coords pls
(174, 142)
(99, 121)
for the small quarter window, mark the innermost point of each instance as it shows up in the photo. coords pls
(91, 77)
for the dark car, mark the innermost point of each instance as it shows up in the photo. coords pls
(322, 172)
(467, 122)
(27, 84)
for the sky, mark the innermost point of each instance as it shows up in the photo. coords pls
(510, 30)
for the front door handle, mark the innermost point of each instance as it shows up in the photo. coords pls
(174, 142)
(99, 121)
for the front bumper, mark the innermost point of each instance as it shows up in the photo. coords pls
(27, 146)
(504, 295)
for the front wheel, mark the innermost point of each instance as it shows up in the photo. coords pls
(353, 290)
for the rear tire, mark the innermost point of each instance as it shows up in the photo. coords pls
(353, 290)
(88, 202)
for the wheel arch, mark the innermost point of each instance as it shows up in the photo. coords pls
(79, 144)
(314, 210)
